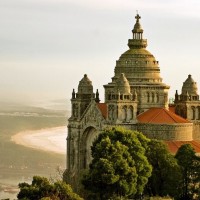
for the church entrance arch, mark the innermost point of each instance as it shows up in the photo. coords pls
(89, 135)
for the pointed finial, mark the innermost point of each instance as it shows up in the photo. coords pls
(73, 94)
(137, 17)
(97, 93)
(97, 96)
(176, 96)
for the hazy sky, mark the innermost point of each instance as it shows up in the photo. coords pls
(46, 46)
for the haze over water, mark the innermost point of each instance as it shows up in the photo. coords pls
(33, 142)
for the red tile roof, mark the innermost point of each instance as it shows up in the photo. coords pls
(160, 116)
(103, 109)
(173, 146)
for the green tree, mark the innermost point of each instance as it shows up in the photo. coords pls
(42, 189)
(190, 167)
(166, 174)
(119, 167)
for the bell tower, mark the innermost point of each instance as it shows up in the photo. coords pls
(187, 103)
(82, 98)
(121, 103)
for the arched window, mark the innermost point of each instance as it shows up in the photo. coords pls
(198, 112)
(130, 113)
(148, 97)
(124, 113)
(193, 112)
(157, 97)
(112, 95)
(153, 96)
(109, 96)
(111, 112)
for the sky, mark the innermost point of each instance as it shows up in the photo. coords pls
(46, 46)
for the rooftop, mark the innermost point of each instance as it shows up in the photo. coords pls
(160, 116)
(103, 108)
(173, 146)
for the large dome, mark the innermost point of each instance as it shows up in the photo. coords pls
(142, 73)
(138, 64)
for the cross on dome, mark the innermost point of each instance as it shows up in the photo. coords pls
(137, 33)
(137, 17)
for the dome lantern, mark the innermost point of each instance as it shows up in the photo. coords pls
(137, 63)
(137, 30)
(137, 42)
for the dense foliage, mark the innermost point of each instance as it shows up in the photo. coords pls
(190, 168)
(119, 167)
(166, 175)
(42, 189)
(125, 162)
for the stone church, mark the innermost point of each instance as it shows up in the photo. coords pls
(137, 99)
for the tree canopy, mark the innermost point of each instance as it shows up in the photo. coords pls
(190, 167)
(42, 189)
(166, 174)
(119, 167)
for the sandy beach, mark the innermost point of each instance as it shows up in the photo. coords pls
(50, 139)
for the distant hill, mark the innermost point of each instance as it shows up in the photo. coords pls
(58, 104)
(55, 107)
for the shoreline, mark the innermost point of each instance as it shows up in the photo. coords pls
(48, 139)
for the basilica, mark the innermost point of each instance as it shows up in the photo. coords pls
(137, 99)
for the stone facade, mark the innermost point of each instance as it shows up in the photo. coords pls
(178, 132)
(136, 87)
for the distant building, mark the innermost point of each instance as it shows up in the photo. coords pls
(137, 99)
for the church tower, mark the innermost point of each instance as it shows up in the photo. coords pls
(82, 98)
(79, 102)
(121, 103)
(187, 104)
(142, 71)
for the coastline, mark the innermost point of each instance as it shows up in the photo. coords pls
(48, 139)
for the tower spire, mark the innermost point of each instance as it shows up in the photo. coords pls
(137, 17)
(137, 41)
(137, 30)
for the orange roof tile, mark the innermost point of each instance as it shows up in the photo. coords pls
(160, 116)
(103, 109)
(173, 146)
